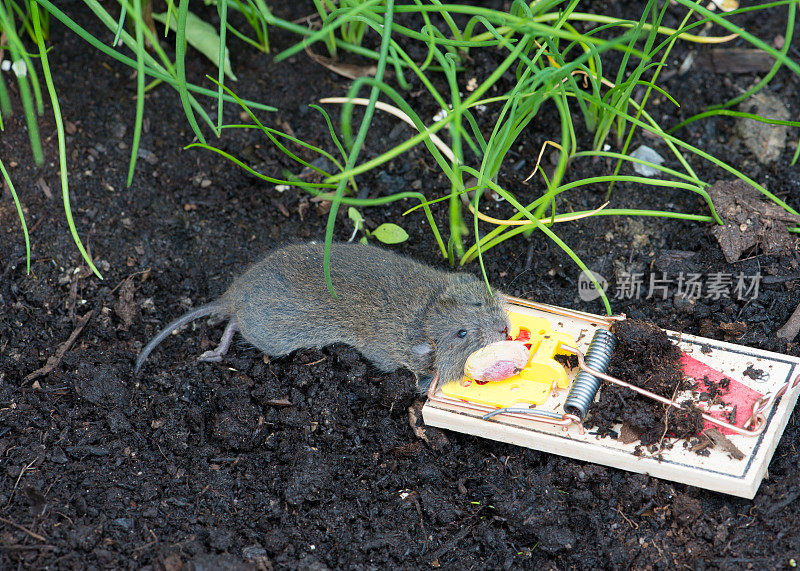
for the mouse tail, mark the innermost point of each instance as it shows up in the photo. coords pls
(187, 317)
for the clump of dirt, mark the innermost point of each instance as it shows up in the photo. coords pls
(644, 356)
(712, 391)
(568, 361)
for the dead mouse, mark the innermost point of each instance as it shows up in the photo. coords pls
(395, 311)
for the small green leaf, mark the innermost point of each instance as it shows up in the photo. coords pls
(364, 240)
(390, 233)
(355, 216)
(203, 37)
(358, 221)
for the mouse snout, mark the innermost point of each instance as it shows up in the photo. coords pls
(496, 334)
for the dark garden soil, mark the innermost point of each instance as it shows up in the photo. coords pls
(310, 461)
(644, 356)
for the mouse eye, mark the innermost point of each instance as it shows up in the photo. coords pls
(462, 333)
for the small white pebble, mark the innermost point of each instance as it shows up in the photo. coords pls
(440, 115)
(645, 153)
(282, 187)
(5, 65)
(19, 67)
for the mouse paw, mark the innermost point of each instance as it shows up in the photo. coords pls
(210, 357)
(424, 383)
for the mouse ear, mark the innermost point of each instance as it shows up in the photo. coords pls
(420, 350)
(423, 357)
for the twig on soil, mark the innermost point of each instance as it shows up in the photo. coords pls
(162, 452)
(35, 226)
(666, 421)
(633, 525)
(791, 328)
(20, 547)
(16, 484)
(54, 360)
(33, 534)
(147, 545)
(129, 276)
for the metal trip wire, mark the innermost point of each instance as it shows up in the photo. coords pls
(585, 386)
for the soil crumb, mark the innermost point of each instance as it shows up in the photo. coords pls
(568, 361)
(753, 373)
(644, 356)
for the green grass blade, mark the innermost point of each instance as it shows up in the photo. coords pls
(5, 101)
(180, 68)
(140, 78)
(729, 113)
(30, 120)
(327, 29)
(223, 21)
(21, 60)
(252, 171)
(19, 213)
(640, 106)
(745, 35)
(122, 15)
(153, 69)
(356, 148)
(788, 35)
(62, 152)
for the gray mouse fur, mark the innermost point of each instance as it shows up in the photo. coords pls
(395, 311)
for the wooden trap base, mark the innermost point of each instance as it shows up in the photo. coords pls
(723, 469)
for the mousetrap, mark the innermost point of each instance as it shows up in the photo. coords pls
(545, 405)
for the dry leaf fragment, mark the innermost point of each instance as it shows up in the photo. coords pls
(628, 434)
(733, 330)
(45, 188)
(435, 438)
(723, 443)
(751, 219)
(734, 60)
(348, 70)
(125, 307)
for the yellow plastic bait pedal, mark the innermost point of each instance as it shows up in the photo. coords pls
(535, 382)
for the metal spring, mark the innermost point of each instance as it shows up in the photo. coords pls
(585, 386)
